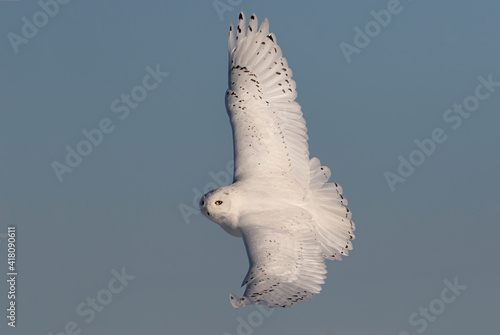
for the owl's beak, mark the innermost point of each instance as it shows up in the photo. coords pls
(203, 207)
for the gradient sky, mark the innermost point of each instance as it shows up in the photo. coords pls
(120, 207)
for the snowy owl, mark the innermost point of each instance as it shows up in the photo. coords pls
(280, 202)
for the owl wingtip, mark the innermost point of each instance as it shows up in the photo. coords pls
(235, 301)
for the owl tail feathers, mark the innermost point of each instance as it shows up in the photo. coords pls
(330, 213)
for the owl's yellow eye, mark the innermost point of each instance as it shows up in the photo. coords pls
(218, 202)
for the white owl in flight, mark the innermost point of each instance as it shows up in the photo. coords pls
(281, 203)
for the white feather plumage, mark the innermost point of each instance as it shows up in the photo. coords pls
(280, 202)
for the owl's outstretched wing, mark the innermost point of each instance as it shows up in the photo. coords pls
(270, 135)
(286, 263)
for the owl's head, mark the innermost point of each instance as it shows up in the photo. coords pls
(216, 206)
(215, 203)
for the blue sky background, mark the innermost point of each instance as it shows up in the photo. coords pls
(121, 206)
